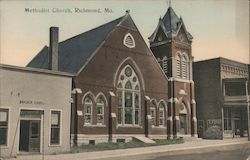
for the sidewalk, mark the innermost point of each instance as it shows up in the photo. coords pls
(175, 148)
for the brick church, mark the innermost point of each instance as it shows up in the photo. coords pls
(123, 89)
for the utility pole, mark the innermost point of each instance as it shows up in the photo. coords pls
(248, 121)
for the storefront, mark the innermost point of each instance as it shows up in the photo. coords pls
(235, 107)
(235, 121)
(33, 102)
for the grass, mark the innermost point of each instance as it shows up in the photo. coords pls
(131, 144)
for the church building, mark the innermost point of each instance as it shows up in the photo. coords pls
(121, 89)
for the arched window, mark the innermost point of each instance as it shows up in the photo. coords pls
(185, 66)
(88, 105)
(161, 114)
(182, 66)
(178, 66)
(153, 109)
(100, 111)
(129, 41)
(129, 103)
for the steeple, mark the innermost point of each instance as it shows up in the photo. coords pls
(170, 20)
(171, 45)
(170, 24)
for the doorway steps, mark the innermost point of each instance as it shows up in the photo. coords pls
(143, 139)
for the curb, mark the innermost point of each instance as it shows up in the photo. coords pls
(174, 151)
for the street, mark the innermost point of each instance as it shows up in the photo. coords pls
(235, 152)
(228, 149)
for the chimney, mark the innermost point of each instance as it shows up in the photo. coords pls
(53, 49)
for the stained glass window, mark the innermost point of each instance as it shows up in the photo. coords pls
(129, 107)
(88, 104)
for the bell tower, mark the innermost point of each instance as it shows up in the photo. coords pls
(171, 44)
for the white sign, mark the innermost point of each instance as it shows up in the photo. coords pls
(3, 116)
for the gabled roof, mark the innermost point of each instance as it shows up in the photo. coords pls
(171, 25)
(75, 51)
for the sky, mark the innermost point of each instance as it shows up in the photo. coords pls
(220, 27)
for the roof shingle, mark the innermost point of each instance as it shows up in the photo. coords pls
(74, 52)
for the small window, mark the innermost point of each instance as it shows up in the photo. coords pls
(100, 111)
(88, 105)
(55, 128)
(153, 113)
(161, 114)
(3, 126)
(129, 41)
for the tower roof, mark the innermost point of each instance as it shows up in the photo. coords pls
(170, 24)
(171, 20)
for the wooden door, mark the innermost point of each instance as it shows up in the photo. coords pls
(34, 136)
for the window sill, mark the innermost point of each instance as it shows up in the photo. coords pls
(4, 147)
(161, 127)
(55, 145)
(102, 126)
(128, 126)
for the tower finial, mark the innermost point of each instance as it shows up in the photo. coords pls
(169, 3)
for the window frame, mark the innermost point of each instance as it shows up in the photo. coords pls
(84, 110)
(103, 111)
(227, 118)
(153, 117)
(182, 65)
(121, 92)
(132, 38)
(162, 107)
(8, 126)
(60, 127)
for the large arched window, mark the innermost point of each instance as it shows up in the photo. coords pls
(88, 107)
(100, 110)
(129, 105)
(153, 109)
(161, 114)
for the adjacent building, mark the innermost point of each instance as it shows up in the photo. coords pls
(35, 109)
(222, 96)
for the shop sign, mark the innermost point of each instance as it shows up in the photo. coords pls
(31, 102)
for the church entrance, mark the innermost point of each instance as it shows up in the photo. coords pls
(183, 124)
(183, 118)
